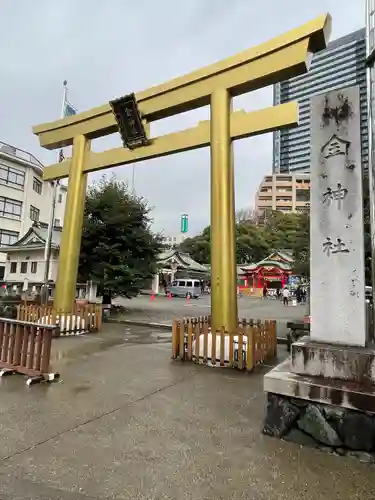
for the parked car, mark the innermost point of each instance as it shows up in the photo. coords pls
(186, 287)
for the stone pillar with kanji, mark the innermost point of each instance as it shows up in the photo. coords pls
(325, 390)
(336, 220)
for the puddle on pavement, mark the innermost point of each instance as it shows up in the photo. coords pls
(84, 346)
(81, 388)
(80, 349)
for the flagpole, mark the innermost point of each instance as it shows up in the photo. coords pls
(133, 179)
(47, 249)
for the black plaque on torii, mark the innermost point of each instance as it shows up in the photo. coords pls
(129, 121)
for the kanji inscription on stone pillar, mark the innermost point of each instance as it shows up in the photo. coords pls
(337, 244)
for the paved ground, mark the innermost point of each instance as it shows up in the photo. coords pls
(126, 422)
(162, 310)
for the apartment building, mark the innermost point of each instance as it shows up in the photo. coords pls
(342, 64)
(24, 197)
(283, 192)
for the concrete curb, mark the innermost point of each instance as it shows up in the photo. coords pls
(164, 326)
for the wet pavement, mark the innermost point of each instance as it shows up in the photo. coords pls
(162, 310)
(126, 422)
(66, 350)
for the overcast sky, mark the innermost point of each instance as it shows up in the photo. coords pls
(108, 49)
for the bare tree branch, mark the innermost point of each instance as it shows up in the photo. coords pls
(246, 214)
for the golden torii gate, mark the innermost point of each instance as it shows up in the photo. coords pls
(281, 58)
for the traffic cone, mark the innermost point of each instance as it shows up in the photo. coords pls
(169, 296)
(152, 297)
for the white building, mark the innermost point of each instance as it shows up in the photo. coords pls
(25, 264)
(24, 197)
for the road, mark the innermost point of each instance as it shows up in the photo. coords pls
(163, 310)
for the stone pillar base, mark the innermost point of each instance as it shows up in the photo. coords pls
(333, 415)
(333, 361)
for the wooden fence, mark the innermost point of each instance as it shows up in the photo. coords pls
(252, 344)
(26, 348)
(82, 319)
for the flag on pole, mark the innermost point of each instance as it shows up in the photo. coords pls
(69, 110)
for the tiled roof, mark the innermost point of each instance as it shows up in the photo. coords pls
(35, 236)
(183, 260)
(268, 261)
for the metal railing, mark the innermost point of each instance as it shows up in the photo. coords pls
(19, 153)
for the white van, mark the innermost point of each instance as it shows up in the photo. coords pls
(186, 287)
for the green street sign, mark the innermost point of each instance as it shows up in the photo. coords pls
(184, 223)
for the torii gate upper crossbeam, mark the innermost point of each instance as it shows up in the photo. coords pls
(242, 125)
(278, 59)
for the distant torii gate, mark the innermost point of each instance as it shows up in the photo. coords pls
(281, 58)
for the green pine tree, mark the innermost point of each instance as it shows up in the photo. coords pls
(118, 250)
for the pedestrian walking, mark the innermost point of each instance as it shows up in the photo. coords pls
(299, 294)
(286, 294)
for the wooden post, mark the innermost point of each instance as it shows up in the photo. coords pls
(100, 316)
(213, 347)
(175, 332)
(197, 341)
(240, 346)
(274, 337)
(47, 342)
(18, 345)
(222, 346)
(250, 348)
(12, 338)
(205, 341)
(266, 339)
(182, 340)
(190, 340)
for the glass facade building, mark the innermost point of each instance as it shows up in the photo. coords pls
(341, 64)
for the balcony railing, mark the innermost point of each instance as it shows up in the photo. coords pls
(284, 203)
(19, 153)
(264, 200)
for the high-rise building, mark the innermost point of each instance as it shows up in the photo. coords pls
(342, 64)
